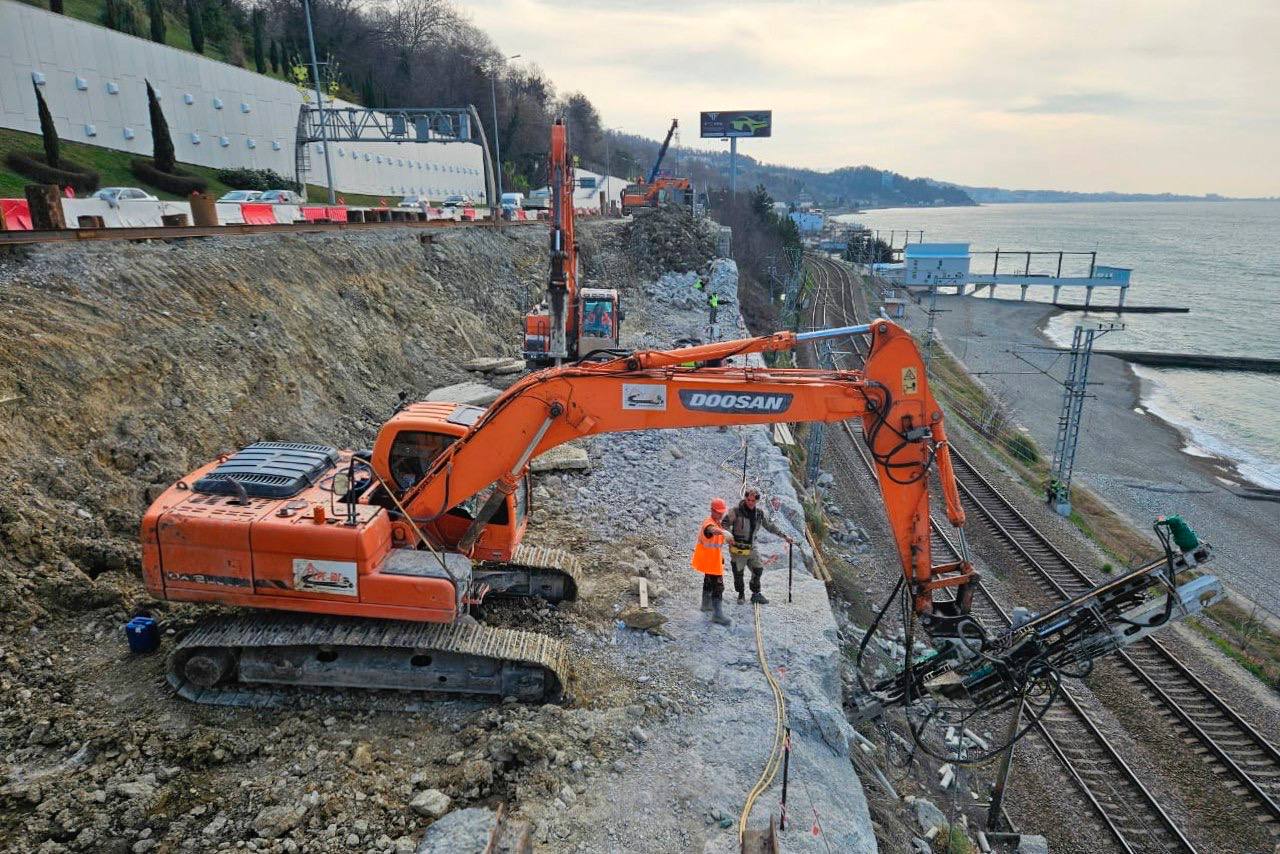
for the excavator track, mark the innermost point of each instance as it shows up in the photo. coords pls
(266, 660)
(552, 574)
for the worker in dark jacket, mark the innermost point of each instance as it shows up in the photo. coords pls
(743, 522)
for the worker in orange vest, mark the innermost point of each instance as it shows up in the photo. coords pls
(708, 560)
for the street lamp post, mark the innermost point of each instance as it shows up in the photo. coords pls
(324, 126)
(497, 143)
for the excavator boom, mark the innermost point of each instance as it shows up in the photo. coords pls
(651, 390)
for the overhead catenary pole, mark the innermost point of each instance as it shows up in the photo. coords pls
(733, 165)
(1074, 390)
(315, 76)
(497, 143)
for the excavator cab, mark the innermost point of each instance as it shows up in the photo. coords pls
(403, 454)
(599, 319)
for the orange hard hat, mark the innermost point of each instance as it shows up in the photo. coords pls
(718, 505)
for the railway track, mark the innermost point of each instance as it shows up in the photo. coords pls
(1125, 809)
(176, 232)
(1235, 750)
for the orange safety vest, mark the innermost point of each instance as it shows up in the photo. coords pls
(706, 553)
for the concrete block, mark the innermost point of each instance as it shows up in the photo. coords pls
(475, 394)
(562, 458)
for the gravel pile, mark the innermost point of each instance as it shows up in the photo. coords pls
(669, 238)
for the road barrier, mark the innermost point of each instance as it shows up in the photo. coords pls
(15, 214)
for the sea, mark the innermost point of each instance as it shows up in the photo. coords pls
(1219, 259)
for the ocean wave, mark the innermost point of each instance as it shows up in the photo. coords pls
(1200, 437)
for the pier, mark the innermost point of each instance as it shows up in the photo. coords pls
(947, 265)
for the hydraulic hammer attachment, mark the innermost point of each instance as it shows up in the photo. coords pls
(977, 669)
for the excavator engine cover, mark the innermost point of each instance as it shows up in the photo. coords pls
(269, 470)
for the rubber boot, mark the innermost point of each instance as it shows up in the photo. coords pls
(758, 599)
(717, 615)
(706, 600)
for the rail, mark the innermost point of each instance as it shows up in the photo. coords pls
(179, 232)
(1128, 809)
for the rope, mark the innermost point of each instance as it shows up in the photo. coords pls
(774, 761)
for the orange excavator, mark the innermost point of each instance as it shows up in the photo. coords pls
(369, 561)
(658, 189)
(372, 559)
(572, 322)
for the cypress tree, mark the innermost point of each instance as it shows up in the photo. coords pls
(195, 24)
(55, 6)
(48, 133)
(259, 50)
(111, 15)
(274, 56)
(155, 8)
(162, 155)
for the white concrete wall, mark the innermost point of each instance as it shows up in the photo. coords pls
(218, 115)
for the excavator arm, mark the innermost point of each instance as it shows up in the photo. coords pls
(562, 286)
(902, 424)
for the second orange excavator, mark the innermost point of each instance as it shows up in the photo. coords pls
(572, 322)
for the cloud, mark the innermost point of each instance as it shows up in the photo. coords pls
(1086, 103)
(986, 92)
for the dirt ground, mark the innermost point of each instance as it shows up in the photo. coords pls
(122, 367)
(126, 365)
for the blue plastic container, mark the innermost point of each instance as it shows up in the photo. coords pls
(143, 634)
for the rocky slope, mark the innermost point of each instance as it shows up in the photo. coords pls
(125, 366)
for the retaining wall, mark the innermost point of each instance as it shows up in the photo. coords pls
(221, 116)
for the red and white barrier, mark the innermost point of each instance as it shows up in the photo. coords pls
(258, 214)
(17, 214)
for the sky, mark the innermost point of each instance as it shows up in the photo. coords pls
(1129, 95)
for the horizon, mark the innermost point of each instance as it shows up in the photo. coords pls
(1180, 97)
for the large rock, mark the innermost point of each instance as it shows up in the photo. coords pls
(431, 803)
(274, 822)
(929, 816)
(1035, 845)
(460, 832)
(562, 458)
(474, 394)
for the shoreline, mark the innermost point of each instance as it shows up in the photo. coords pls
(1211, 463)
(1128, 455)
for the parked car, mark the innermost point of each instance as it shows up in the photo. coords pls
(115, 195)
(459, 200)
(415, 202)
(242, 196)
(539, 199)
(280, 197)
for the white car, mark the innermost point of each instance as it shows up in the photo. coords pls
(115, 195)
(242, 196)
(414, 202)
(458, 200)
(280, 197)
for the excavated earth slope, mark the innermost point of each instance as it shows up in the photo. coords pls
(124, 366)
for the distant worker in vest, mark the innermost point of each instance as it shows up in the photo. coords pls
(708, 560)
(742, 523)
(698, 284)
(713, 302)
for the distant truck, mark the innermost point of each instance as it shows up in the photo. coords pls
(512, 202)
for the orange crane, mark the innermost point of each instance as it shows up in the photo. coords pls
(571, 323)
(369, 561)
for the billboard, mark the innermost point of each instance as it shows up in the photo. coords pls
(737, 123)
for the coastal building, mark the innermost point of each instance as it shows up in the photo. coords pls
(936, 264)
